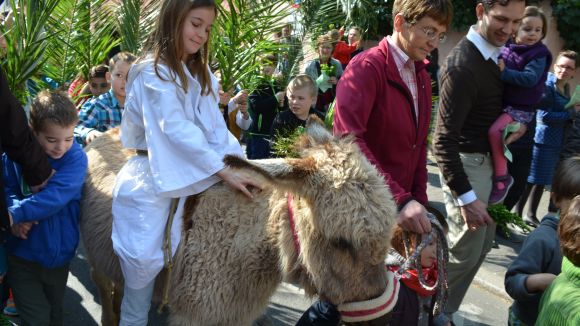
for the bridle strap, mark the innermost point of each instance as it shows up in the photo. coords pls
(293, 223)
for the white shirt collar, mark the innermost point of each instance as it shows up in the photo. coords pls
(487, 50)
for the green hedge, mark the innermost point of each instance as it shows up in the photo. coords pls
(568, 15)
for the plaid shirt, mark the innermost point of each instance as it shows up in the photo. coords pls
(101, 113)
(406, 68)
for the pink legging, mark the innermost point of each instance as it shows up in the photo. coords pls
(496, 142)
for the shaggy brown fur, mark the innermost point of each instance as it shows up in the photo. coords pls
(235, 251)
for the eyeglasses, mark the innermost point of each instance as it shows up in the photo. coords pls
(432, 35)
(564, 67)
(100, 85)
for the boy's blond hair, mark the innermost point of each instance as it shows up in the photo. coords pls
(121, 56)
(55, 107)
(303, 81)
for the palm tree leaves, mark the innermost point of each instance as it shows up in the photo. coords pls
(85, 33)
(241, 34)
(136, 21)
(370, 15)
(25, 33)
(56, 39)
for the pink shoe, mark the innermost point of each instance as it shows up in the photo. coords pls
(498, 195)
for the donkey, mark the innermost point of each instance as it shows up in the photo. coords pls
(321, 220)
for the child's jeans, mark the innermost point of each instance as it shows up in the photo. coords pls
(321, 313)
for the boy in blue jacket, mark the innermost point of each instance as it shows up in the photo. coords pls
(45, 224)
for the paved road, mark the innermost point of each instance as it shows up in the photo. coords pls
(485, 304)
(481, 306)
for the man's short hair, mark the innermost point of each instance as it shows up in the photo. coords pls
(55, 107)
(572, 55)
(413, 10)
(99, 71)
(569, 232)
(488, 4)
(303, 81)
(566, 181)
(121, 56)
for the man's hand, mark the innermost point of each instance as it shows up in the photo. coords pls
(413, 218)
(516, 134)
(475, 215)
(41, 186)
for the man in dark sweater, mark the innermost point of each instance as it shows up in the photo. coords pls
(17, 140)
(470, 101)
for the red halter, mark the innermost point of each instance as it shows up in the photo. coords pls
(293, 224)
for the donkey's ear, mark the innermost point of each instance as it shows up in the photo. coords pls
(315, 134)
(289, 174)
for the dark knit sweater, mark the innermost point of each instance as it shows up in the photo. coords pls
(470, 101)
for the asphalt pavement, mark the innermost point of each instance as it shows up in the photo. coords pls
(486, 302)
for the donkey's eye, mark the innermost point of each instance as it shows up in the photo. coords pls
(341, 243)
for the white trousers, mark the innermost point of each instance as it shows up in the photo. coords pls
(135, 305)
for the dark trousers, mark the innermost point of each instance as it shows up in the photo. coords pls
(321, 313)
(519, 169)
(38, 291)
(258, 147)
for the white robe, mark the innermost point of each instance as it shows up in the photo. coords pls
(186, 139)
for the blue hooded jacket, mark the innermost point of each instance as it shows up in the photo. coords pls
(53, 241)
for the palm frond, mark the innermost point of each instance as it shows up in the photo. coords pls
(26, 38)
(87, 34)
(136, 21)
(241, 34)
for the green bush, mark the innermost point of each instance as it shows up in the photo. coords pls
(463, 15)
(568, 14)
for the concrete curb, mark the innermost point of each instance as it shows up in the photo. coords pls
(494, 289)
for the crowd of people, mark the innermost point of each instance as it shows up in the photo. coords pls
(505, 129)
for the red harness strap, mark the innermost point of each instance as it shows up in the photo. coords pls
(293, 224)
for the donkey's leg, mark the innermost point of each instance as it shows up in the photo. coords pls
(107, 295)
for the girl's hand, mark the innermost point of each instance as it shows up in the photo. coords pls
(238, 181)
(332, 80)
(501, 64)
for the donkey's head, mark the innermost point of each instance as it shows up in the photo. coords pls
(342, 212)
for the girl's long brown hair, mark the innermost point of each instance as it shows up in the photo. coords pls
(165, 43)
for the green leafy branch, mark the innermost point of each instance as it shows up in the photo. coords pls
(502, 217)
